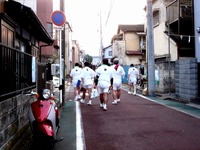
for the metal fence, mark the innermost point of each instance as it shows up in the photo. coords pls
(15, 72)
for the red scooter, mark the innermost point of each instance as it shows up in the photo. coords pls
(44, 120)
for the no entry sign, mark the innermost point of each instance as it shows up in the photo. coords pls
(58, 18)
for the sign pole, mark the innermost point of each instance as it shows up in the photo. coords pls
(58, 18)
(61, 70)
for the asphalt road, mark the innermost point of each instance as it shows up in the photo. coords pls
(136, 123)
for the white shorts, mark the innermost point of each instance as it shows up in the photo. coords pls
(74, 82)
(117, 85)
(104, 84)
(103, 90)
(103, 87)
(132, 81)
(89, 86)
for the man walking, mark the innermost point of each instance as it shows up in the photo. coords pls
(104, 75)
(118, 73)
(76, 80)
(133, 74)
(87, 78)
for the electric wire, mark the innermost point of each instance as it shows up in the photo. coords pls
(109, 12)
(69, 16)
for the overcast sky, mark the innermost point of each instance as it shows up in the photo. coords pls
(84, 17)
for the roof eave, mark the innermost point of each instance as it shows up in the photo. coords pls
(26, 17)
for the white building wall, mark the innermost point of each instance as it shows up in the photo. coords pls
(132, 60)
(119, 48)
(161, 44)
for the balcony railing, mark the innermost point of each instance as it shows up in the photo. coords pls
(179, 9)
(173, 11)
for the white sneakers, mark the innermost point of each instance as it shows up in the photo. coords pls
(105, 107)
(77, 97)
(101, 105)
(90, 102)
(116, 101)
(82, 101)
(134, 93)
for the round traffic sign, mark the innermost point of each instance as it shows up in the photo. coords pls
(58, 18)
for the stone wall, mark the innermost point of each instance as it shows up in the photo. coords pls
(186, 79)
(14, 120)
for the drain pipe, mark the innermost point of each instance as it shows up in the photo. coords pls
(45, 45)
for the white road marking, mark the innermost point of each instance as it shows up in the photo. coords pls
(80, 140)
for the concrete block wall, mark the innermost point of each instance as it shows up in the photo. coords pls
(14, 120)
(186, 79)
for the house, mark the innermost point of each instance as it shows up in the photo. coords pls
(76, 53)
(174, 47)
(166, 15)
(68, 48)
(48, 53)
(129, 44)
(21, 34)
(107, 53)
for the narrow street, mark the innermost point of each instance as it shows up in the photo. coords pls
(135, 123)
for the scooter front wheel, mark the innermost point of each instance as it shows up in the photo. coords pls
(43, 143)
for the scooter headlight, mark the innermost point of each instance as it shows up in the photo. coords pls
(46, 93)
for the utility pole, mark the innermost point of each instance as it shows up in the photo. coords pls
(169, 52)
(101, 38)
(150, 50)
(197, 38)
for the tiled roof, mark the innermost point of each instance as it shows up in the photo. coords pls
(131, 28)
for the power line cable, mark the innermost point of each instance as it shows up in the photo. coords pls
(110, 10)
(70, 20)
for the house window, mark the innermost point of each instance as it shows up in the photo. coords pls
(156, 18)
(142, 43)
(7, 36)
(22, 47)
(110, 53)
(35, 51)
(4, 35)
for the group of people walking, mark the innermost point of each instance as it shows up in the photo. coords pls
(105, 79)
